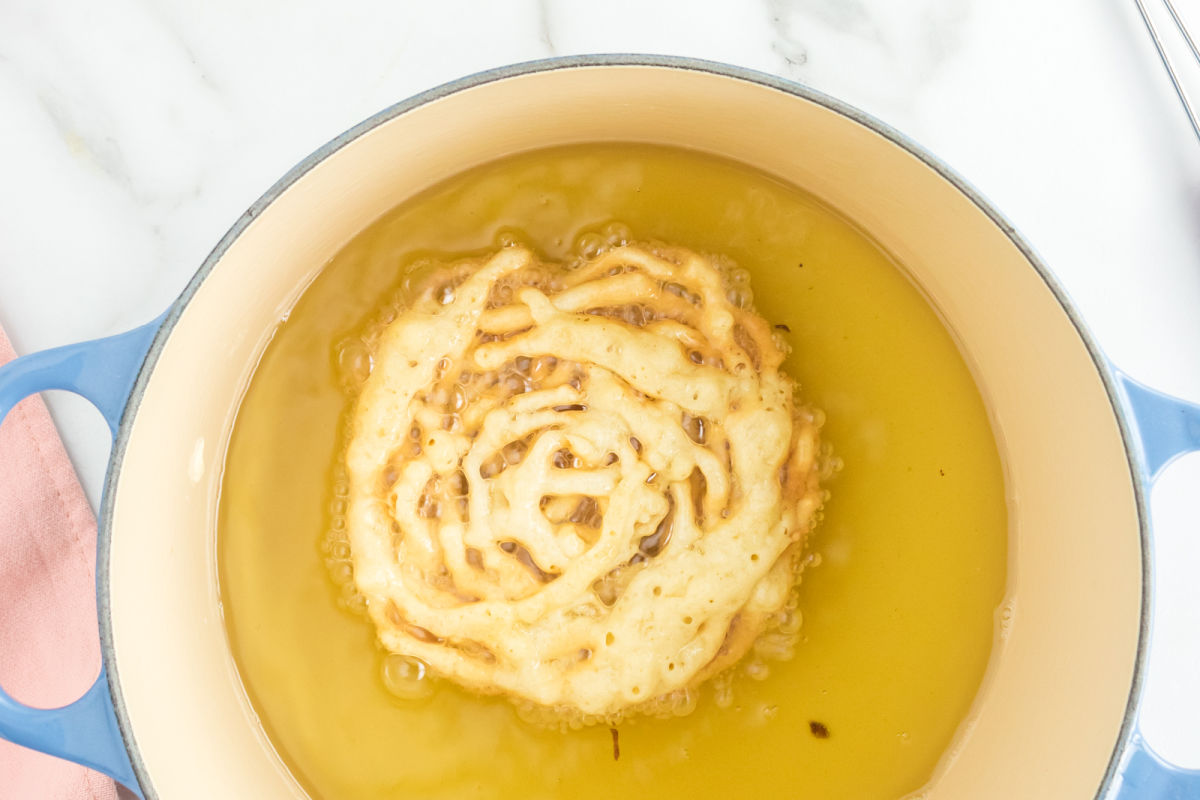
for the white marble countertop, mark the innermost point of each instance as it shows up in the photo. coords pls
(134, 132)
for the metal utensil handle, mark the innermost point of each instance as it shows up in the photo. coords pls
(1180, 58)
(103, 372)
(1166, 428)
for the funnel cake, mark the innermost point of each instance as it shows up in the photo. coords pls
(583, 487)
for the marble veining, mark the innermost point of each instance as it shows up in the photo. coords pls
(899, 46)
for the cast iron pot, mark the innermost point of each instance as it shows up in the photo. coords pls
(1057, 716)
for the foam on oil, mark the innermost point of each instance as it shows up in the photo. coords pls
(898, 608)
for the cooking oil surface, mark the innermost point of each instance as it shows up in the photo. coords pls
(909, 564)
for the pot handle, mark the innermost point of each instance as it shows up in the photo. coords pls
(1164, 429)
(103, 372)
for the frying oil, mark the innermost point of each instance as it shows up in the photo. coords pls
(907, 569)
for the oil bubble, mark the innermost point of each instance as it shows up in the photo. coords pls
(791, 623)
(354, 361)
(590, 245)
(777, 646)
(617, 234)
(742, 298)
(684, 702)
(756, 669)
(342, 573)
(406, 677)
(356, 604)
(722, 687)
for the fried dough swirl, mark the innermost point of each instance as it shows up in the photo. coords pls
(585, 488)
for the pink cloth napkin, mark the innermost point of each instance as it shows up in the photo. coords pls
(49, 648)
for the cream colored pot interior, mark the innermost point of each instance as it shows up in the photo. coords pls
(1049, 715)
